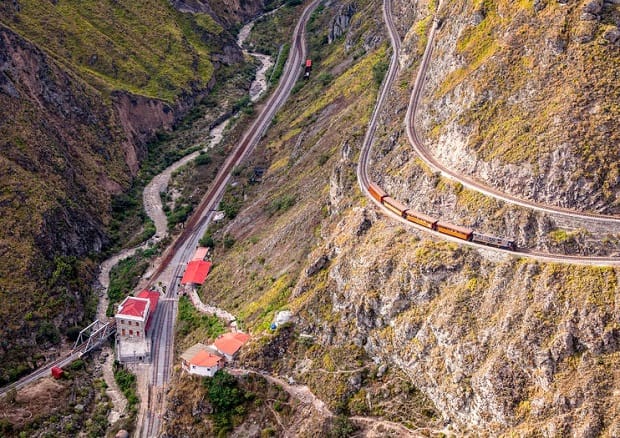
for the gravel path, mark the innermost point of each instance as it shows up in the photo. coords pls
(151, 196)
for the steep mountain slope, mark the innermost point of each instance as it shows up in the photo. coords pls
(524, 96)
(396, 323)
(83, 87)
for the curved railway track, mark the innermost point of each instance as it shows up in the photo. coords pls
(470, 183)
(414, 138)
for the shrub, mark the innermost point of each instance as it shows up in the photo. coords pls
(342, 427)
(203, 159)
(378, 71)
(77, 364)
(282, 203)
(229, 241)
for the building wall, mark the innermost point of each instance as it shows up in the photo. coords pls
(128, 328)
(203, 371)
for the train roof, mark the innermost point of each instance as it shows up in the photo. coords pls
(378, 190)
(421, 216)
(395, 203)
(458, 228)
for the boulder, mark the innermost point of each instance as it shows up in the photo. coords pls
(612, 35)
(593, 7)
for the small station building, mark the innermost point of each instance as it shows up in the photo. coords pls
(133, 327)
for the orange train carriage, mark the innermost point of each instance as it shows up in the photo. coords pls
(440, 226)
(453, 230)
(420, 219)
(394, 206)
(376, 192)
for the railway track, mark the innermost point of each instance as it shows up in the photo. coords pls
(181, 250)
(436, 165)
(250, 138)
(414, 138)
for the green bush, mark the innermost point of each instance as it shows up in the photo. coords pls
(224, 393)
(179, 214)
(342, 427)
(229, 241)
(77, 365)
(207, 240)
(230, 205)
(378, 72)
(324, 78)
(282, 203)
(203, 159)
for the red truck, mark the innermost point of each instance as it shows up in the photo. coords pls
(308, 68)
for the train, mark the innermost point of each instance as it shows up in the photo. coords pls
(442, 227)
(307, 68)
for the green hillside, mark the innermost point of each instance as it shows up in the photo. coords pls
(144, 47)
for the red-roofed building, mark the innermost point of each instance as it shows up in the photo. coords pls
(153, 297)
(196, 272)
(133, 328)
(201, 253)
(201, 360)
(229, 344)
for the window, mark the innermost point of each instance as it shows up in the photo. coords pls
(123, 332)
(137, 333)
(130, 332)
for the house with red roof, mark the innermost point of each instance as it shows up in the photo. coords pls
(201, 253)
(196, 272)
(229, 344)
(201, 360)
(133, 326)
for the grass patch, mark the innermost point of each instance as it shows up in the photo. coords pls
(146, 47)
(190, 320)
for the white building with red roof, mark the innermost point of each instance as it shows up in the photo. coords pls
(133, 326)
(229, 344)
(201, 360)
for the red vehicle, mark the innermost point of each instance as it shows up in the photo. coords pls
(308, 68)
(57, 372)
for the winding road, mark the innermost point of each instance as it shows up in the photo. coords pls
(414, 138)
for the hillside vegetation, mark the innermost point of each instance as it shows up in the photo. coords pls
(389, 321)
(144, 47)
(84, 86)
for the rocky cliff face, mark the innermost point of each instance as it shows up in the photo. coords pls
(390, 321)
(523, 97)
(74, 131)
